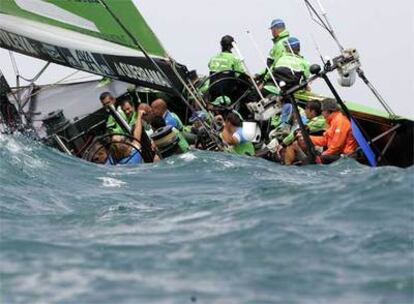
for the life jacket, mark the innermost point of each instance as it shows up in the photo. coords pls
(295, 63)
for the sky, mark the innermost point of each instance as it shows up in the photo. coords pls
(190, 30)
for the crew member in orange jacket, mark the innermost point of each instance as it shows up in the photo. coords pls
(337, 139)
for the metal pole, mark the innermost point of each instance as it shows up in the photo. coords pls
(310, 148)
(360, 138)
(119, 119)
(327, 26)
(61, 144)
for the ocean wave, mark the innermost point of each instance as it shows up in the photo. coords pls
(206, 227)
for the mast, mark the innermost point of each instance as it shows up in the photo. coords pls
(155, 64)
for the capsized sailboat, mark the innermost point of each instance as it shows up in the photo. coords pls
(110, 38)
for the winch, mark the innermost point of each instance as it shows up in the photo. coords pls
(265, 109)
(166, 141)
(347, 64)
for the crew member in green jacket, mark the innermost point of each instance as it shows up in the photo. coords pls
(292, 58)
(292, 61)
(280, 35)
(125, 109)
(226, 60)
(316, 124)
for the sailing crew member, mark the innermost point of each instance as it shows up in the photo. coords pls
(226, 60)
(147, 117)
(280, 34)
(125, 151)
(291, 61)
(159, 108)
(315, 125)
(338, 139)
(126, 111)
(291, 68)
(233, 135)
(128, 108)
(107, 99)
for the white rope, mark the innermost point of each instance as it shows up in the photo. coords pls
(239, 54)
(262, 56)
(47, 87)
(328, 27)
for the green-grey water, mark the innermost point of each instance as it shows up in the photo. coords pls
(202, 228)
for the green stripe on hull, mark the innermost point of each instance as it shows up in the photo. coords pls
(355, 107)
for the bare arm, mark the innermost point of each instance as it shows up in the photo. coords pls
(229, 138)
(138, 129)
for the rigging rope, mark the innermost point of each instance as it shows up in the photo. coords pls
(14, 65)
(27, 99)
(207, 128)
(325, 24)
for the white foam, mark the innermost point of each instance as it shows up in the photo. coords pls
(110, 182)
(228, 164)
(188, 157)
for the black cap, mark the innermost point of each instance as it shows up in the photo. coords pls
(227, 41)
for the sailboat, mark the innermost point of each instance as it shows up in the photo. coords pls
(111, 39)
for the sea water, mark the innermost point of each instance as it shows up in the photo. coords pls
(202, 228)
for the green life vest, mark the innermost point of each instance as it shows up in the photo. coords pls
(180, 125)
(225, 61)
(317, 124)
(241, 149)
(294, 62)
